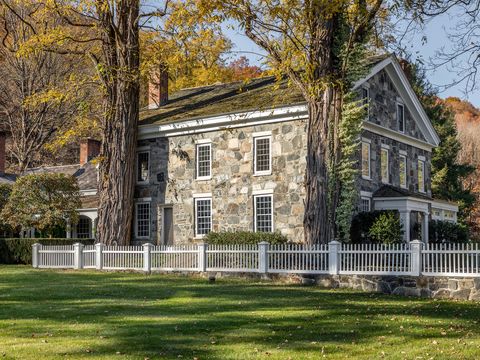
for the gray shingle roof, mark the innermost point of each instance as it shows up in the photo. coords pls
(392, 191)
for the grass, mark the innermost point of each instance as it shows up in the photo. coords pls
(90, 315)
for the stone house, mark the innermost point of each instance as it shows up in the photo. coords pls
(231, 157)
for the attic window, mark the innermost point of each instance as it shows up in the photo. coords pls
(401, 117)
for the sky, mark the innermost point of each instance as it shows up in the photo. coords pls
(434, 31)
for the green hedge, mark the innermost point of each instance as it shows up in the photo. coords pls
(244, 237)
(447, 232)
(19, 251)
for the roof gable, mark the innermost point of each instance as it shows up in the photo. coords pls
(391, 66)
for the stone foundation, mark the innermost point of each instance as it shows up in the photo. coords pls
(434, 287)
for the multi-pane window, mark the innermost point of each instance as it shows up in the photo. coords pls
(421, 175)
(263, 156)
(203, 216)
(403, 171)
(384, 165)
(142, 220)
(401, 117)
(143, 166)
(365, 160)
(365, 204)
(83, 228)
(204, 161)
(366, 100)
(263, 213)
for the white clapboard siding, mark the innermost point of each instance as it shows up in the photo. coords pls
(123, 257)
(89, 257)
(375, 259)
(298, 258)
(56, 256)
(175, 258)
(451, 260)
(241, 258)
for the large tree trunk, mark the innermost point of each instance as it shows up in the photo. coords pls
(316, 220)
(117, 168)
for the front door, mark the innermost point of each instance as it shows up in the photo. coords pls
(168, 226)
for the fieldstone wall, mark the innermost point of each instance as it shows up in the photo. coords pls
(435, 287)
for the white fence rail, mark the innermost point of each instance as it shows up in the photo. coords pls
(413, 259)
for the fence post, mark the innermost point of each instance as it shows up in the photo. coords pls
(334, 257)
(78, 256)
(99, 256)
(202, 256)
(147, 258)
(263, 257)
(416, 249)
(36, 255)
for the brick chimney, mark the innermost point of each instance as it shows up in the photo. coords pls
(158, 88)
(3, 138)
(407, 68)
(89, 149)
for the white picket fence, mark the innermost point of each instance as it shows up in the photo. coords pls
(412, 259)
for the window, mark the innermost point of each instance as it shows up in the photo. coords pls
(83, 228)
(204, 161)
(401, 117)
(403, 171)
(384, 165)
(262, 156)
(366, 100)
(203, 216)
(365, 160)
(143, 166)
(263, 213)
(142, 220)
(365, 204)
(421, 175)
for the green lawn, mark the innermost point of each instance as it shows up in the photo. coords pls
(66, 314)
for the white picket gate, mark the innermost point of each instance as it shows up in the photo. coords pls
(413, 259)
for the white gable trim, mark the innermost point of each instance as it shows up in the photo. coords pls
(395, 135)
(410, 100)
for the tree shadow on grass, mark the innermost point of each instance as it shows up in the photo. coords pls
(168, 316)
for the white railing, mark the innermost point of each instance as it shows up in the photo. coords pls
(413, 259)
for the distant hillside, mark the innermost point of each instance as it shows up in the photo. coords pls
(464, 111)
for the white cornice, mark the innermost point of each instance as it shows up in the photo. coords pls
(395, 135)
(222, 122)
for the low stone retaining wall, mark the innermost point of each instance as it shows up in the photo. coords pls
(434, 287)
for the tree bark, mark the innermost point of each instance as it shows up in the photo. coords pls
(117, 167)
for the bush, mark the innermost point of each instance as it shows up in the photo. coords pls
(244, 237)
(361, 224)
(447, 232)
(386, 229)
(19, 251)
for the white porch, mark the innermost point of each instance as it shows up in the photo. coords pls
(412, 210)
(86, 227)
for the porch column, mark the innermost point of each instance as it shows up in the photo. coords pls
(405, 220)
(425, 227)
(69, 229)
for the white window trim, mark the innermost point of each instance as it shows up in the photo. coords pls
(149, 219)
(367, 88)
(369, 199)
(402, 152)
(142, 182)
(266, 172)
(197, 145)
(403, 156)
(203, 141)
(420, 161)
(195, 228)
(262, 134)
(367, 142)
(255, 211)
(398, 120)
(387, 180)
